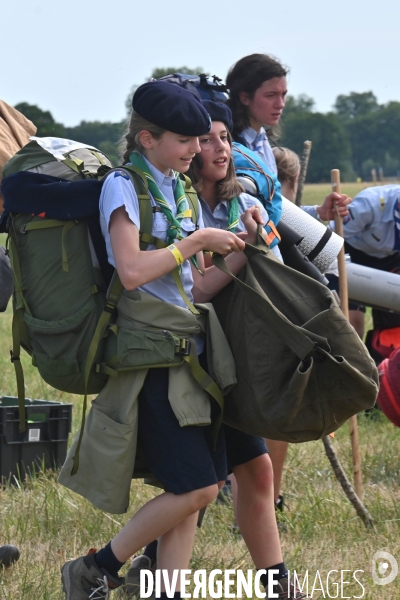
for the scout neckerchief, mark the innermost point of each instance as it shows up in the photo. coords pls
(174, 231)
(397, 225)
(233, 214)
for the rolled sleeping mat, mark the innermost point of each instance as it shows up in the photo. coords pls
(293, 257)
(372, 287)
(319, 244)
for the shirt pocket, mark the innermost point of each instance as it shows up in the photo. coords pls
(160, 225)
(187, 226)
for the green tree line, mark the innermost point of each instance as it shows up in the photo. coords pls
(357, 135)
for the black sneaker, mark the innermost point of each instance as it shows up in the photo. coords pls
(280, 503)
(82, 579)
(8, 555)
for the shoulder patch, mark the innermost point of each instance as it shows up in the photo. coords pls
(121, 174)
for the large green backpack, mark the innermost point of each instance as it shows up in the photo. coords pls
(60, 158)
(62, 307)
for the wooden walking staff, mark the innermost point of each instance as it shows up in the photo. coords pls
(344, 302)
(305, 157)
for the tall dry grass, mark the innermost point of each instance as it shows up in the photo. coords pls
(51, 524)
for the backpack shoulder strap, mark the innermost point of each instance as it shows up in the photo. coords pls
(192, 198)
(255, 166)
(141, 186)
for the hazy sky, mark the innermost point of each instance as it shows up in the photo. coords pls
(80, 59)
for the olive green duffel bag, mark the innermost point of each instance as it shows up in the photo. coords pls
(302, 370)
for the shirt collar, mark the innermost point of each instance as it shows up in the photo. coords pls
(206, 207)
(250, 134)
(160, 178)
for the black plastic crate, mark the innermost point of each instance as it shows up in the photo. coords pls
(42, 445)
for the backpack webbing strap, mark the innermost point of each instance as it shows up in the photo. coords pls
(98, 156)
(269, 238)
(17, 323)
(192, 198)
(141, 186)
(208, 385)
(114, 293)
(75, 164)
(47, 224)
(256, 167)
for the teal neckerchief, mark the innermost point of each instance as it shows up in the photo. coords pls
(233, 214)
(174, 231)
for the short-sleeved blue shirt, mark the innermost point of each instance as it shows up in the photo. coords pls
(370, 226)
(118, 191)
(218, 218)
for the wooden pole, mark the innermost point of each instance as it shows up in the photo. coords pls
(344, 301)
(305, 157)
(345, 483)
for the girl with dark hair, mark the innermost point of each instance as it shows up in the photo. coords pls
(257, 94)
(258, 88)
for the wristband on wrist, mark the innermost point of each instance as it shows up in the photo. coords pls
(176, 253)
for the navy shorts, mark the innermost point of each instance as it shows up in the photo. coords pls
(183, 459)
(242, 447)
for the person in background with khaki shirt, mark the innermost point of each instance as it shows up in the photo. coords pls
(15, 131)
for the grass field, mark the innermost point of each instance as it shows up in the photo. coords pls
(51, 525)
(314, 193)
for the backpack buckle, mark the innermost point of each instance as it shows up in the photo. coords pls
(184, 347)
(13, 358)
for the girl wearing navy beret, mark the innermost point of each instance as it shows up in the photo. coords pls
(164, 411)
(224, 207)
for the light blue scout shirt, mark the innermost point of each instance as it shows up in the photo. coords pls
(259, 143)
(118, 191)
(370, 226)
(219, 218)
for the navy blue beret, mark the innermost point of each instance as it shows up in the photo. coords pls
(171, 107)
(219, 112)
